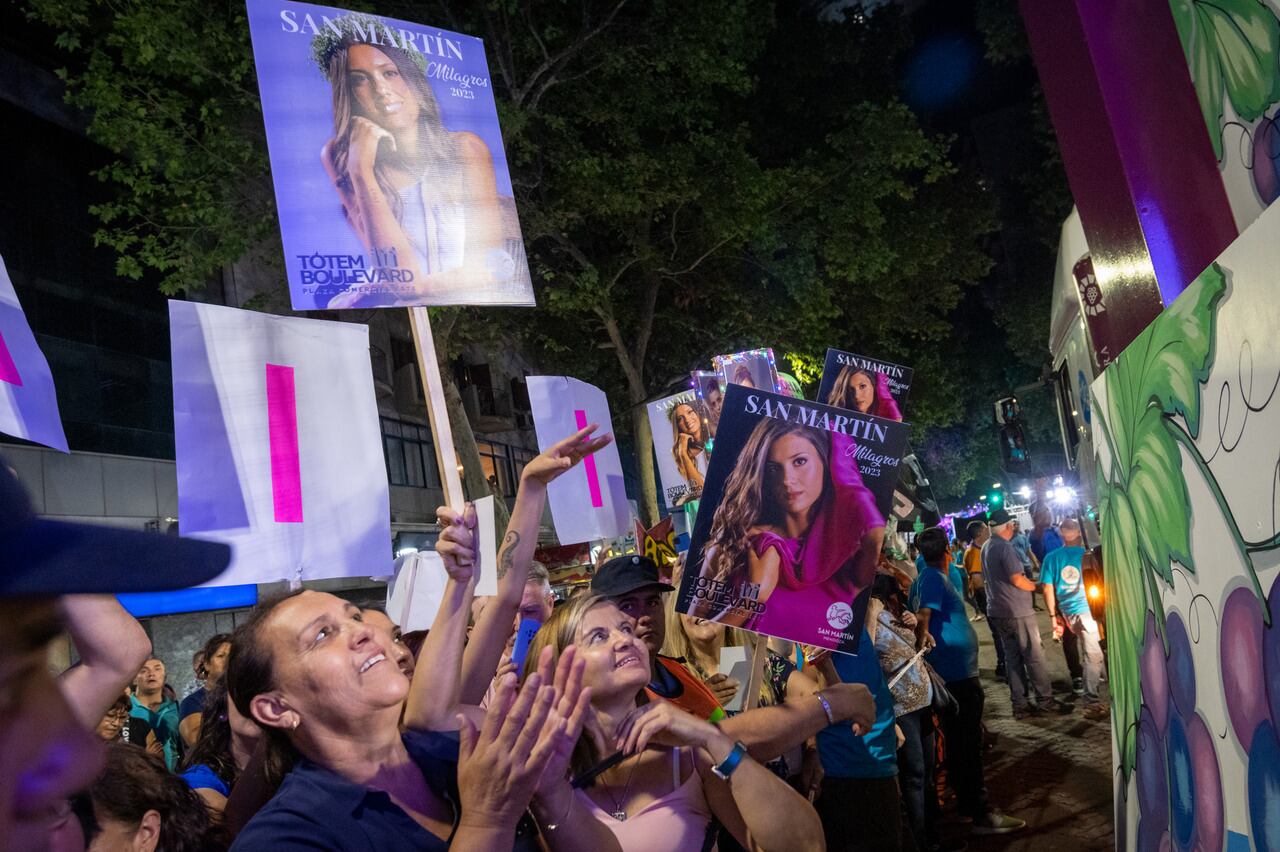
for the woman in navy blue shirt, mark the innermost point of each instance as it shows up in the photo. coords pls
(328, 693)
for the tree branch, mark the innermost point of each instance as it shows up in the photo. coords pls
(553, 63)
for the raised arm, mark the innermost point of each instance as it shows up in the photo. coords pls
(493, 627)
(484, 650)
(433, 700)
(112, 646)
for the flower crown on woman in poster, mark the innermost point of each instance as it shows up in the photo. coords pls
(420, 197)
(689, 445)
(795, 516)
(865, 391)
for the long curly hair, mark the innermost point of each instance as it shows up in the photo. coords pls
(747, 501)
(213, 746)
(882, 401)
(438, 158)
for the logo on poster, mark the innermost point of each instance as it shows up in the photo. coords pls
(839, 615)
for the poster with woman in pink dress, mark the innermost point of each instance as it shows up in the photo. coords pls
(792, 518)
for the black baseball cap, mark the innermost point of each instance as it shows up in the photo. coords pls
(41, 557)
(999, 518)
(624, 574)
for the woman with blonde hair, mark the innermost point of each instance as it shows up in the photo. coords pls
(671, 783)
(795, 516)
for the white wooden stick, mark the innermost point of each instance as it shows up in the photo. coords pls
(437, 413)
(759, 655)
(441, 431)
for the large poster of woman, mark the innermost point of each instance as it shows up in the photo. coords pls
(391, 180)
(792, 517)
(864, 384)
(680, 438)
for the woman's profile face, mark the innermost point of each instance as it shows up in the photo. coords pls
(381, 94)
(795, 473)
(617, 662)
(329, 662)
(715, 401)
(686, 419)
(864, 392)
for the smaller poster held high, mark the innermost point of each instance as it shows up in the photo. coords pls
(792, 518)
(588, 502)
(683, 467)
(863, 384)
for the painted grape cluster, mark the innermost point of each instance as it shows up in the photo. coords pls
(1250, 659)
(1179, 785)
(1178, 780)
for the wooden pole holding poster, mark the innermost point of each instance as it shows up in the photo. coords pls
(759, 655)
(441, 432)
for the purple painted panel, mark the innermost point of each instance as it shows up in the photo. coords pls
(1095, 169)
(1168, 159)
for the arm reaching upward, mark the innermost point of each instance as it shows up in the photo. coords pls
(433, 699)
(494, 627)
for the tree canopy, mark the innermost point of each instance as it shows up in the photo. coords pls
(691, 179)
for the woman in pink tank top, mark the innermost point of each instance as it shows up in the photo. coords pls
(665, 794)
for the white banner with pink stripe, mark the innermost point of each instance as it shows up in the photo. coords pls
(278, 445)
(28, 402)
(589, 502)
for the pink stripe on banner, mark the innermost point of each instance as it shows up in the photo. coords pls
(593, 478)
(282, 418)
(8, 369)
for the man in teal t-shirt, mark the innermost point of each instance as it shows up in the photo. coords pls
(1064, 595)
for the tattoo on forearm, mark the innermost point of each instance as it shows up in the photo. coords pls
(509, 543)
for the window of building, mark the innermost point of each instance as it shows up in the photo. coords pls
(410, 454)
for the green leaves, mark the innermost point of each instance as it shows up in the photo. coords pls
(1232, 45)
(1125, 622)
(1146, 506)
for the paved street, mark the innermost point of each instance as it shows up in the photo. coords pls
(1054, 771)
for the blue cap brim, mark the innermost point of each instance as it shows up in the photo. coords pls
(44, 557)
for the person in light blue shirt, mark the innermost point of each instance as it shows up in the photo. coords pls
(151, 706)
(1068, 603)
(940, 614)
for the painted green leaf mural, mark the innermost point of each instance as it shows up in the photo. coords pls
(1232, 47)
(1146, 510)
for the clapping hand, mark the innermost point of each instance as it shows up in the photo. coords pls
(526, 735)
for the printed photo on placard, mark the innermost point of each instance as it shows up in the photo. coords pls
(863, 384)
(680, 438)
(391, 181)
(753, 369)
(791, 519)
(710, 393)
